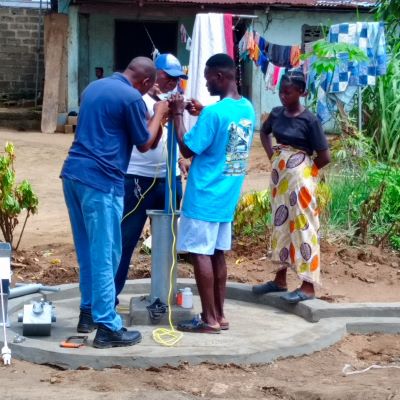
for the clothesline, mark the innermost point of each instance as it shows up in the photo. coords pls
(254, 47)
(273, 59)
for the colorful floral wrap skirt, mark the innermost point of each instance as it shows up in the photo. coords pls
(295, 242)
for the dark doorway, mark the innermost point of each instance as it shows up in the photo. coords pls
(132, 40)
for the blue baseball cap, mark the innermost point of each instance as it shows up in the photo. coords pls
(170, 65)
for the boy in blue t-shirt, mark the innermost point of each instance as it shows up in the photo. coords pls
(219, 144)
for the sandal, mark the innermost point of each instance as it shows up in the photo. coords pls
(224, 326)
(296, 296)
(269, 287)
(196, 325)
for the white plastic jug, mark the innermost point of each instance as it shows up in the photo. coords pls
(187, 298)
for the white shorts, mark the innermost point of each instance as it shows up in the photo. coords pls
(203, 237)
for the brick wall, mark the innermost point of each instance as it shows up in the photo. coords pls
(18, 51)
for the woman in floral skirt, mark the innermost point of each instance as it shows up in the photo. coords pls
(301, 151)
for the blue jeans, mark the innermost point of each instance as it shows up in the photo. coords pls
(96, 227)
(132, 226)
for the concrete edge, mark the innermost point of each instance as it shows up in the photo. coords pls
(326, 334)
(366, 326)
(310, 310)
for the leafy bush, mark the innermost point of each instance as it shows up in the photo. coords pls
(366, 200)
(252, 214)
(13, 199)
(382, 110)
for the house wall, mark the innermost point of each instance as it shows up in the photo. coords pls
(18, 52)
(285, 28)
(96, 38)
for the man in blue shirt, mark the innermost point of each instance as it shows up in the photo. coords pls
(112, 120)
(219, 144)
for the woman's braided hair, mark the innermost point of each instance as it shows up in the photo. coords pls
(296, 78)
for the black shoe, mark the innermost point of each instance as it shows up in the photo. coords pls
(106, 338)
(86, 324)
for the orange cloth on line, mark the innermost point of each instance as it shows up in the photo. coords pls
(295, 56)
(255, 54)
(251, 45)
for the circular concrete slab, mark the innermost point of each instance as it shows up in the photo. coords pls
(258, 334)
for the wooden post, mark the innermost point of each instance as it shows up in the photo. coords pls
(56, 27)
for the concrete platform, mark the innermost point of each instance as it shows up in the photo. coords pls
(260, 333)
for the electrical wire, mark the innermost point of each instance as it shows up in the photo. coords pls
(148, 189)
(164, 336)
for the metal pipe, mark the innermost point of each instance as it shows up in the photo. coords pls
(25, 289)
(244, 16)
(170, 179)
(162, 246)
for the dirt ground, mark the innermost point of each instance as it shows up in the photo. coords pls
(315, 377)
(356, 274)
(350, 274)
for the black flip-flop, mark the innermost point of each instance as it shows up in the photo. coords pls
(296, 296)
(268, 287)
(196, 325)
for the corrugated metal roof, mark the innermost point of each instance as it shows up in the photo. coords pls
(301, 3)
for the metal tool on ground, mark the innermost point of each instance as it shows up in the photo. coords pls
(5, 274)
(37, 318)
(74, 342)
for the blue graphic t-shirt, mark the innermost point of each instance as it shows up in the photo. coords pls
(221, 141)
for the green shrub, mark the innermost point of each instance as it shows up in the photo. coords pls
(13, 198)
(353, 194)
(253, 213)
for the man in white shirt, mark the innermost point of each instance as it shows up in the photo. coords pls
(145, 178)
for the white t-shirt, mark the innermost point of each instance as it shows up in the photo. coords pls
(152, 163)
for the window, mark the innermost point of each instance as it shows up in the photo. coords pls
(311, 33)
(132, 40)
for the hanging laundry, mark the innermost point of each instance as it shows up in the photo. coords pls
(279, 55)
(262, 44)
(273, 77)
(183, 33)
(263, 62)
(282, 71)
(243, 51)
(369, 37)
(348, 75)
(189, 44)
(210, 26)
(295, 53)
(228, 26)
(269, 77)
(276, 75)
(252, 46)
(182, 85)
(308, 48)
